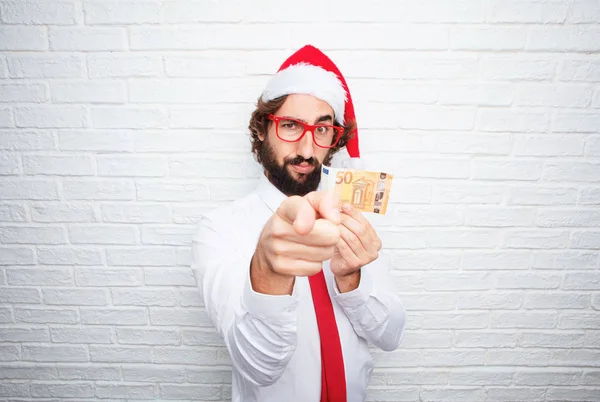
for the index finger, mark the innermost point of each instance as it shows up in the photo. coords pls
(327, 204)
(298, 212)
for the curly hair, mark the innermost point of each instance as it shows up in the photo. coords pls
(259, 124)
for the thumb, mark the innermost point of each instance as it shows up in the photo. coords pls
(327, 204)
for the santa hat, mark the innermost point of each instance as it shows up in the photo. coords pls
(309, 71)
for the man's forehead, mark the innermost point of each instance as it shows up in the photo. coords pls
(305, 107)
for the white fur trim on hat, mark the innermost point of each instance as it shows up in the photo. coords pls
(312, 80)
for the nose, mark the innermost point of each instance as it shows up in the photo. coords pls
(305, 145)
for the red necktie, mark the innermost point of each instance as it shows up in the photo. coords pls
(333, 377)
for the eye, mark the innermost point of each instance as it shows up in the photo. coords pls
(287, 124)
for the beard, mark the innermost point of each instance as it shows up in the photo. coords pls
(281, 177)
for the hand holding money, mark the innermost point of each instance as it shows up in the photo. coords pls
(364, 190)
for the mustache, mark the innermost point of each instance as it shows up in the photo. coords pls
(300, 159)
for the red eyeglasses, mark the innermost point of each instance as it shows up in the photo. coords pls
(292, 130)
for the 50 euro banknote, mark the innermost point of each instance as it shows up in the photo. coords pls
(366, 191)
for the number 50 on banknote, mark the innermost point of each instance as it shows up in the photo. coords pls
(366, 191)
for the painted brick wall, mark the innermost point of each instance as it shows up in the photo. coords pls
(122, 121)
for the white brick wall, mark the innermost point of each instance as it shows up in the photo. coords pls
(122, 121)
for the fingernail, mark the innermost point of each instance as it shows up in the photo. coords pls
(346, 207)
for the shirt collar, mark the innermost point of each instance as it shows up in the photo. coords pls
(269, 193)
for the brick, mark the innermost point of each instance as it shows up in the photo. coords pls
(581, 281)
(459, 320)
(175, 141)
(9, 353)
(27, 372)
(25, 334)
(580, 70)
(488, 94)
(16, 256)
(180, 235)
(424, 260)
(112, 354)
(488, 38)
(504, 120)
(95, 372)
(50, 116)
(23, 38)
(190, 298)
(589, 378)
(39, 276)
(527, 281)
(523, 320)
(140, 297)
(147, 337)
(45, 66)
(373, 90)
(571, 393)
(493, 376)
(10, 165)
(23, 93)
(490, 169)
(87, 39)
(589, 196)
(32, 235)
(6, 315)
(81, 335)
(544, 11)
(77, 297)
(549, 145)
(80, 390)
(452, 358)
(180, 355)
(128, 316)
(551, 340)
(575, 122)
(511, 394)
(3, 68)
(205, 392)
(492, 260)
(122, 12)
(126, 391)
(96, 140)
(55, 353)
(14, 389)
(103, 234)
(48, 212)
(179, 317)
(127, 166)
(592, 146)
(586, 240)
(564, 38)
(58, 165)
(504, 357)
(182, 167)
(186, 214)
(518, 67)
(101, 189)
(571, 171)
(449, 394)
(574, 357)
(567, 218)
(96, 91)
(47, 316)
(555, 95)
(26, 140)
(464, 281)
(13, 213)
(397, 394)
(222, 64)
(70, 256)
(579, 320)
(201, 337)
(139, 213)
(10, 295)
(504, 301)
(124, 65)
(207, 375)
(485, 339)
(154, 373)
(420, 339)
(415, 117)
(172, 190)
(467, 193)
(39, 12)
(141, 256)
(565, 260)
(6, 117)
(129, 117)
(542, 195)
(222, 116)
(108, 277)
(545, 377)
(562, 300)
(537, 239)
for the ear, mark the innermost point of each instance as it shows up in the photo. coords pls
(261, 137)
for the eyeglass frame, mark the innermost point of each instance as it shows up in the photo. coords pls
(307, 127)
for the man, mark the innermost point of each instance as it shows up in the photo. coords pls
(292, 280)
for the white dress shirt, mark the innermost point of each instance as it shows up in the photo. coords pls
(273, 340)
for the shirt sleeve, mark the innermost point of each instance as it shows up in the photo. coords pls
(259, 330)
(374, 310)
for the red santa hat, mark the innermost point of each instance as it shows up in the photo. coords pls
(309, 71)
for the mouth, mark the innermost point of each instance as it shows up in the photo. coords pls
(303, 168)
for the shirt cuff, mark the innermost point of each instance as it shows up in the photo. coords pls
(358, 296)
(268, 306)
